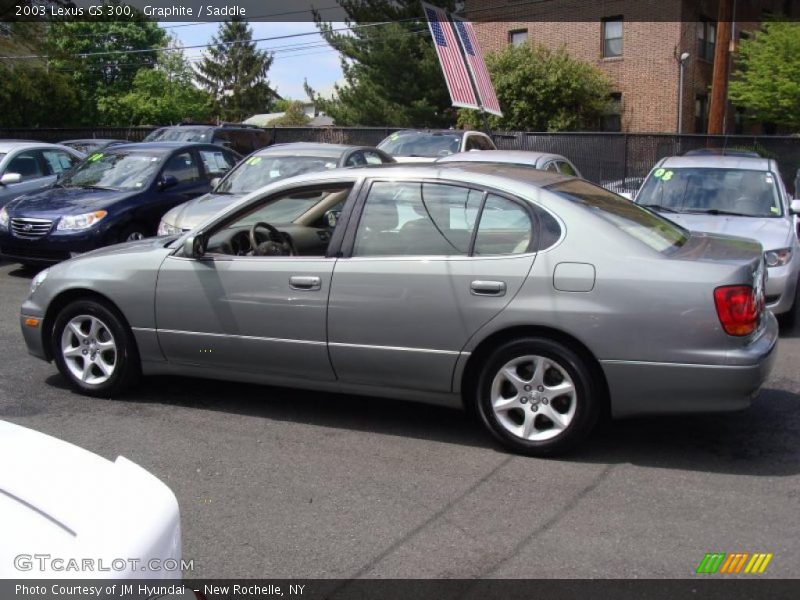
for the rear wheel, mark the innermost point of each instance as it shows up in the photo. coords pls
(537, 397)
(94, 350)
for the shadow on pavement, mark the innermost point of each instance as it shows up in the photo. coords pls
(762, 440)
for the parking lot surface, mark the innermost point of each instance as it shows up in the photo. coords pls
(284, 483)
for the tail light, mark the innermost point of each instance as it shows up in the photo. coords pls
(738, 308)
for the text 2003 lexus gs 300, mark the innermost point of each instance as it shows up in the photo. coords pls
(537, 299)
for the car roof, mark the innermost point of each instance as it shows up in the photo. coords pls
(11, 145)
(716, 162)
(159, 146)
(92, 140)
(433, 131)
(524, 157)
(309, 149)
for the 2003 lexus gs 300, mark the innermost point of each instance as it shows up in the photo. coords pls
(537, 299)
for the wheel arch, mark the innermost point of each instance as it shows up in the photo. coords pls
(471, 371)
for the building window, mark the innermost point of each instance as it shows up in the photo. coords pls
(612, 37)
(612, 119)
(701, 114)
(706, 39)
(518, 37)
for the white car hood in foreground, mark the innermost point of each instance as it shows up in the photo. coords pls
(60, 500)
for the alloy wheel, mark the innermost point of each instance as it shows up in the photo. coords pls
(89, 349)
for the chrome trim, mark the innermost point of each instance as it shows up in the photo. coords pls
(398, 348)
(670, 364)
(230, 335)
(29, 228)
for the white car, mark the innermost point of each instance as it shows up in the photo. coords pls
(68, 513)
(426, 145)
(543, 161)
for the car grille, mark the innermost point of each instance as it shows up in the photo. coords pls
(30, 229)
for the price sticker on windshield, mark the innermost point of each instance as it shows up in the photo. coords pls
(254, 160)
(95, 156)
(663, 174)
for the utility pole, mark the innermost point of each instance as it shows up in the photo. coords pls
(719, 81)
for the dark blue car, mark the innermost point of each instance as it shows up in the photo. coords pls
(115, 195)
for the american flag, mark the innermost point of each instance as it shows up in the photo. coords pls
(477, 67)
(455, 72)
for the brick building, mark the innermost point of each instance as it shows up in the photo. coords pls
(637, 44)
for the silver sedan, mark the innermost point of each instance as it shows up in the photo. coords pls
(465, 285)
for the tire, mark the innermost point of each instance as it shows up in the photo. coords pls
(524, 398)
(134, 231)
(109, 364)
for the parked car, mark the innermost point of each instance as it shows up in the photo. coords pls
(89, 145)
(242, 138)
(734, 195)
(625, 187)
(32, 166)
(262, 168)
(544, 161)
(61, 503)
(115, 195)
(425, 145)
(477, 284)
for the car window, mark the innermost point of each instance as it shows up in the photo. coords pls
(422, 144)
(58, 161)
(26, 164)
(356, 159)
(551, 166)
(182, 167)
(505, 228)
(261, 169)
(482, 142)
(180, 134)
(566, 168)
(372, 157)
(472, 143)
(114, 170)
(216, 162)
(417, 219)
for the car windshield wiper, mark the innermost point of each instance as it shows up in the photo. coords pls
(98, 187)
(716, 211)
(659, 208)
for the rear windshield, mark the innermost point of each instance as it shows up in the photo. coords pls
(646, 226)
(180, 134)
(429, 145)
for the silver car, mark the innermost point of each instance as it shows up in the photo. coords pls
(27, 167)
(545, 161)
(465, 285)
(734, 195)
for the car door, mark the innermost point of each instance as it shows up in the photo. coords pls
(29, 164)
(263, 315)
(427, 264)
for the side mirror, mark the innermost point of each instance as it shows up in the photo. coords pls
(332, 217)
(167, 181)
(214, 183)
(194, 246)
(10, 178)
(794, 207)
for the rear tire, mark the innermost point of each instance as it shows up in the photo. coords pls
(94, 350)
(537, 397)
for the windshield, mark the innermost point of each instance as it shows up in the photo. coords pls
(637, 222)
(422, 144)
(85, 147)
(258, 171)
(738, 192)
(180, 134)
(283, 210)
(115, 170)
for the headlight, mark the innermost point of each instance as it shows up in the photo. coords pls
(4, 218)
(38, 280)
(77, 222)
(778, 258)
(165, 228)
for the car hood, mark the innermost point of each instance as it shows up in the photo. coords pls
(190, 214)
(57, 202)
(414, 159)
(62, 500)
(773, 233)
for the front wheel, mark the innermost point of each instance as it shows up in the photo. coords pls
(537, 397)
(94, 350)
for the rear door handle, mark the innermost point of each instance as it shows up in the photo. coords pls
(304, 282)
(488, 288)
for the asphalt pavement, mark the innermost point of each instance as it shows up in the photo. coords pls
(291, 484)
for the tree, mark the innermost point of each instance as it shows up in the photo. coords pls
(159, 96)
(102, 58)
(391, 70)
(766, 81)
(235, 73)
(37, 98)
(293, 117)
(542, 90)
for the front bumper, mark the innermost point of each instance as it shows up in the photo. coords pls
(51, 248)
(33, 335)
(642, 388)
(782, 286)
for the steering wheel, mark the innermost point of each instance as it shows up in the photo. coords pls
(276, 244)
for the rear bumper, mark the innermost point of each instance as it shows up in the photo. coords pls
(642, 388)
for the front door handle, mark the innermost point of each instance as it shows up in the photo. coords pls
(303, 282)
(488, 288)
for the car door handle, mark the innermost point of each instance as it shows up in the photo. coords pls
(488, 288)
(301, 282)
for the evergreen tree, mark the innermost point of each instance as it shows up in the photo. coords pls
(234, 72)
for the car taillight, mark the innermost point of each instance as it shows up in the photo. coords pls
(737, 308)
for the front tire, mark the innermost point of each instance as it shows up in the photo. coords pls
(133, 232)
(537, 397)
(94, 350)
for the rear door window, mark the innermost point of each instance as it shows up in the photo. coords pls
(216, 162)
(58, 161)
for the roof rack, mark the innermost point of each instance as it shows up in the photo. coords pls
(723, 152)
